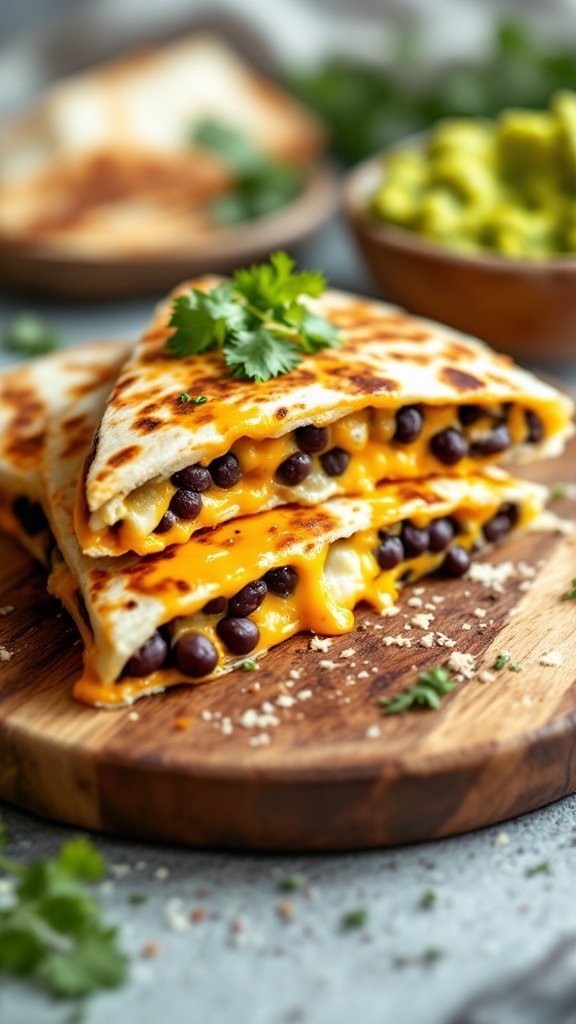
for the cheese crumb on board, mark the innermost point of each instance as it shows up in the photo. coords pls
(491, 576)
(5, 654)
(486, 677)
(551, 659)
(422, 620)
(373, 732)
(462, 662)
(320, 643)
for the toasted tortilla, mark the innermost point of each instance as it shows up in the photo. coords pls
(30, 394)
(388, 360)
(120, 603)
(104, 164)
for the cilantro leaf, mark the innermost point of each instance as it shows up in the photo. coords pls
(28, 335)
(570, 595)
(426, 692)
(261, 184)
(260, 355)
(202, 319)
(257, 319)
(51, 929)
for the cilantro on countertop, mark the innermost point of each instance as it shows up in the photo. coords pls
(354, 919)
(543, 868)
(428, 900)
(570, 595)
(292, 883)
(505, 658)
(261, 185)
(51, 928)
(29, 336)
(257, 319)
(427, 692)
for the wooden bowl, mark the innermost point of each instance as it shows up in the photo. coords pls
(71, 275)
(522, 307)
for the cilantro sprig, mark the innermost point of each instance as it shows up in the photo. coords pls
(570, 595)
(426, 692)
(29, 336)
(52, 929)
(261, 185)
(257, 320)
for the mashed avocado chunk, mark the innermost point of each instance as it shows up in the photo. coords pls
(506, 186)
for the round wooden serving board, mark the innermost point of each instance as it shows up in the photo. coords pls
(169, 769)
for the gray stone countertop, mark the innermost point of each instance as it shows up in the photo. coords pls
(231, 947)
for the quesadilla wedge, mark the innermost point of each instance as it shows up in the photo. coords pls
(30, 394)
(183, 445)
(196, 610)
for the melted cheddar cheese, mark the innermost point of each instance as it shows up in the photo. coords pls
(128, 524)
(333, 579)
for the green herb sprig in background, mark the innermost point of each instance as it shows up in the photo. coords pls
(257, 319)
(29, 336)
(427, 692)
(570, 595)
(261, 185)
(52, 929)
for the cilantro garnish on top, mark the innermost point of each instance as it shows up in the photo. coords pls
(257, 319)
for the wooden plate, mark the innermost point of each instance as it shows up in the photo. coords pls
(76, 276)
(334, 773)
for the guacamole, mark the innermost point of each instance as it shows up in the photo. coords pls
(506, 186)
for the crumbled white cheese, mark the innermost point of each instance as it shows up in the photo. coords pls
(329, 665)
(551, 658)
(295, 673)
(486, 677)
(320, 643)
(261, 739)
(501, 839)
(414, 602)
(134, 716)
(466, 625)
(284, 700)
(304, 694)
(444, 641)
(363, 674)
(427, 640)
(254, 718)
(176, 919)
(463, 662)
(422, 620)
(373, 732)
(348, 653)
(398, 641)
(7, 609)
(392, 610)
(480, 613)
(5, 655)
(161, 874)
(491, 576)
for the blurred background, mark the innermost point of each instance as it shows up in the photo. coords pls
(373, 71)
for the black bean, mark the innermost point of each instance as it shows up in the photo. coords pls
(151, 656)
(415, 541)
(294, 469)
(456, 562)
(497, 528)
(441, 533)
(498, 440)
(468, 414)
(390, 552)
(30, 514)
(166, 523)
(248, 599)
(239, 635)
(225, 471)
(217, 606)
(311, 439)
(535, 427)
(335, 462)
(282, 581)
(511, 511)
(449, 446)
(195, 478)
(186, 504)
(409, 423)
(195, 655)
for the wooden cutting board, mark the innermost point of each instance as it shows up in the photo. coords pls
(298, 754)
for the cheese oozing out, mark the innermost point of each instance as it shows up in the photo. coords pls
(330, 584)
(367, 437)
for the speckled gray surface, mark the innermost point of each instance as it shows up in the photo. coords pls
(246, 961)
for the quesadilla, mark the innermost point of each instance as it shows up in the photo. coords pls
(30, 394)
(105, 164)
(183, 445)
(197, 610)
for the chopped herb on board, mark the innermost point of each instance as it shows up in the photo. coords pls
(29, 336)
(249, 666)
(570, 595)
(427, 692)
(257, 320)
(292, 883)
(52, 929)
(505, 659)
(353, 920)
(261, 184)
(429, 899)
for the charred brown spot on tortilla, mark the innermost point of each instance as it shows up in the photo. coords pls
(124, 455)
(123, 385)
(364, 383)
(72, 422)
(147, 424)
(77, 443)
(460, 380)
(25, 450)
(281, 412)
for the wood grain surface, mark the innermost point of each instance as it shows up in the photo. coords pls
(334, 773)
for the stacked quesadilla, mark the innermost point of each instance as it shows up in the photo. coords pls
(200, 519)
